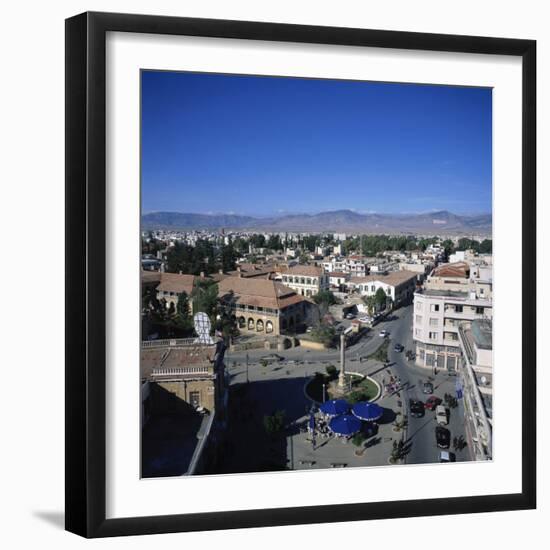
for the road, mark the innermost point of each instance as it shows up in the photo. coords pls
(421, 431)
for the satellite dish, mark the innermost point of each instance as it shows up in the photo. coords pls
(202, 328)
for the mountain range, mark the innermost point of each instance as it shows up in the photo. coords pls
(442, 222)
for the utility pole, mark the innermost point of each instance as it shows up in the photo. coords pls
(247, 368)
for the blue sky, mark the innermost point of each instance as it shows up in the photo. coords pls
(252, 145)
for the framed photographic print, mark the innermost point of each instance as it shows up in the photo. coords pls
(300, 274)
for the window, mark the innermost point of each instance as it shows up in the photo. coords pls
(269, 327)
(434, 307)
(418, 319)
(260, 325)
(432, 335)
(308, 281)
(418, 306)
(479, 310)
(459, 309)
(372, 288)
(434, 322)
(418, 332)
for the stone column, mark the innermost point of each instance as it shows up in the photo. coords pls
(342, 377)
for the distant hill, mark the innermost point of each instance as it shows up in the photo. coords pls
(339, 221)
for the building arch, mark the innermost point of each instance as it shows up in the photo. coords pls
(259, 325)
(242, 322)
(269, 327)
(251, 324)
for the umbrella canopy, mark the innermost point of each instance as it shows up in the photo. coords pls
(367, 411)
(334, 407)
(345, 424)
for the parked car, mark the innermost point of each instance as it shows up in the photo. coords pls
(384, 333)
(309, 329)
(441, 415)
(398, 348)
(428, 388)
(416, 408)
(365, 319)
(432, 402)
(442, 437)
(272, 358)
(350, 316)
(446, 456)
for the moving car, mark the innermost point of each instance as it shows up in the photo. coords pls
(446, 456)
(384, 333)
(398, 348)
(416, 408)
(428, 388)
(442, 437)
(432, 402)
(441, 415)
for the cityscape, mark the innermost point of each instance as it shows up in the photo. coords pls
(338, 317)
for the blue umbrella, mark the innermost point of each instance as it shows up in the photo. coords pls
(334, 407)
(367, 411)
(345, 424)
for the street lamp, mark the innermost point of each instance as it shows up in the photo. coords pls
(324, 389)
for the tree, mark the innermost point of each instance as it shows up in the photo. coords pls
(486, 246)
(205, 297)
(183, 315)
(275, 423)
(323, 334)
(380, 298)
(325, 297)
(370, 302)
(228, 258)
(449, 247)
(332, 372)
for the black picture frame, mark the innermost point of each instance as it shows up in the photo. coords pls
(86, 277)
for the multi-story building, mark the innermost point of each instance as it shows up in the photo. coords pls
(171, 285)
(476, 377)
(398, 285)
(338, 279)
(306, 280)
(437, 314)
(264, 307)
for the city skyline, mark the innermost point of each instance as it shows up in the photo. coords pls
(218, 143)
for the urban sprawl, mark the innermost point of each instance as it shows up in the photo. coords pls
(286, 351)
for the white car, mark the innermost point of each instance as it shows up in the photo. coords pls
(365, 319)
(441, 415)
(384, 333)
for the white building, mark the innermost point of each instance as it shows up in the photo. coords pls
(476, 377)
(398, 285)
(306, 280)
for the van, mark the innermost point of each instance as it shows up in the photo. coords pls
(441, 415)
